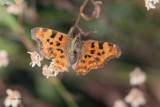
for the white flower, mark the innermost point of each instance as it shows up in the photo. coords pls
(36, 59)
(137, 77)
(150, 4)
(135, 98)
(55, 73)
(47, 72)
(3, 58)
(119, 103)
(54, 68)
(13, 99)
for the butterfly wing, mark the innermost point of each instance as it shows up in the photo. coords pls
(95, 54)
(53, 44)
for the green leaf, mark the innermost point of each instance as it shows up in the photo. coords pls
(2, 2)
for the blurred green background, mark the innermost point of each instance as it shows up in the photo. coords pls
(123, 22)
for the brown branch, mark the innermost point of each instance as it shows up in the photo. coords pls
(78, 18)
(95, 13)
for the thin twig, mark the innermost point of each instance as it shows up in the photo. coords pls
(78, 18)
(86, 33)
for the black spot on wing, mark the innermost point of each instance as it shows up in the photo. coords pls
(92, 45)
(103, 52)
(100, 45)
(89, 56)
(47, 40)
(51, 43)
(60, 50)
(99, 54)
(53, 34)
(61, 38)
(58, 44)
(92, 51)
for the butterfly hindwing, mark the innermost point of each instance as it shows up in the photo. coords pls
(95, 54)
(52, 44)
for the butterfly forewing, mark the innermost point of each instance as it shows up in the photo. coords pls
(52, 44)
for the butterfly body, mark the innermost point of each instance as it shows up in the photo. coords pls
(82, 55)
(75, 48)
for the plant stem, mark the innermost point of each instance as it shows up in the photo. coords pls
(64, 93)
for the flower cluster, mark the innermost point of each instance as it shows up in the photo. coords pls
(137, 77)
(150, 4)
(36, 59)
(46, 71)
(135, 97)
(13, 99)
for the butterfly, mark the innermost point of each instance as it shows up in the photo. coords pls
(83, 56)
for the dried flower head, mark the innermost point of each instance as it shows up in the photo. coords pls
(3, 58)
(150, 4)
(137, 77)
(13, 99)
(36, 59)
(135, 98)
(47, 72)
(119, 103)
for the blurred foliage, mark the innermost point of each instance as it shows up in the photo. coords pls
(2, 2)
(123, 22)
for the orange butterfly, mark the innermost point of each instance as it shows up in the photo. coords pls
(82, 55)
